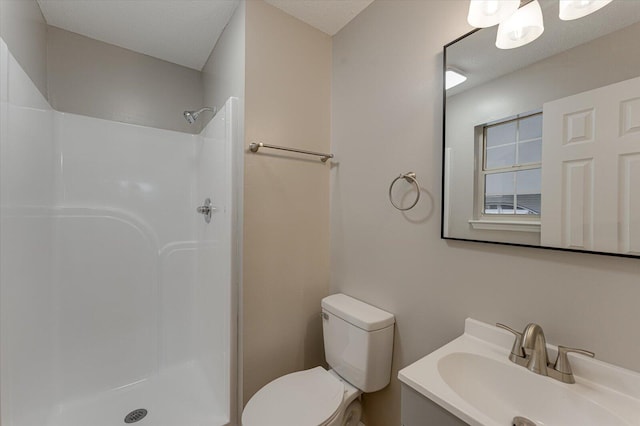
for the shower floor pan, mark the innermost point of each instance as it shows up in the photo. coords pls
(176, 397)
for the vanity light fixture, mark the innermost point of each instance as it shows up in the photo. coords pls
(519, 25)
(524, 26)
(452, 78)
(574, 9)
(487, 13)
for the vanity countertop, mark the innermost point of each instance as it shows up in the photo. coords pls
(472, 378)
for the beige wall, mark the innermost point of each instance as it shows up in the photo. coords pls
(24, 29)
(223, 73)
(286, 199)
(387, 119)
(89, 77)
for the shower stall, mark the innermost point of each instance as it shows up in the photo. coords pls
(117, 299)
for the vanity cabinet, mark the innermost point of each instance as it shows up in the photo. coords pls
(418, 410)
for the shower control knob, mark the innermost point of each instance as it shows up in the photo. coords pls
(206, 209)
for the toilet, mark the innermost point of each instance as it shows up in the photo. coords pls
(358, 344)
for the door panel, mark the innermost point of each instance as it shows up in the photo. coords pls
(590, 159)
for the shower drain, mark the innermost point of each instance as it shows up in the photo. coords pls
(135, 415)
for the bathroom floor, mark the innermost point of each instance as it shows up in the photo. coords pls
(179, 396)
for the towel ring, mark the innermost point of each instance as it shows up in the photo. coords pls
(411, 178)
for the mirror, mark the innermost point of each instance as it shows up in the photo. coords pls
(542, 142)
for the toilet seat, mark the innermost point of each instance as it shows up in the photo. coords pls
(304, 398)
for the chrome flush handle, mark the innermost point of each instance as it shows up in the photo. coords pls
(207, 209)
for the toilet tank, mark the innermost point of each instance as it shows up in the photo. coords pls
(358, 341)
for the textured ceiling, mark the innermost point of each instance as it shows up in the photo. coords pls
(328, 16)
(179, 31)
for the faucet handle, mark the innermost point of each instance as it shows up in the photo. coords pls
(516, 349)
(562, 362)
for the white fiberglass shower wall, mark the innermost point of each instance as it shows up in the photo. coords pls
(115, 295)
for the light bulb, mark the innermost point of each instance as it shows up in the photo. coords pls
(522, 27)
(491, 7)
(486, 13)
(574, 9)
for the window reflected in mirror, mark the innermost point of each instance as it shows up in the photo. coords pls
(511, 157)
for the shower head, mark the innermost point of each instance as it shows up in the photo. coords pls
(192, 116)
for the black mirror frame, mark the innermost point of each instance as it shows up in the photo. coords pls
(442, 177)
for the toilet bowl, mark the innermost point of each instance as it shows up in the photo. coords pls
(315, 397)
(358, 341)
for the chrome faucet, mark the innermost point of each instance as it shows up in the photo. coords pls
(530, 350)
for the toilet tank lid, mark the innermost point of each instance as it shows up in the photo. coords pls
(358, 313)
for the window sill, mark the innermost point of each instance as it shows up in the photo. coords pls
(506, 225)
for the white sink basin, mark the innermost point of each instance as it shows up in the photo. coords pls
(473, 378)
